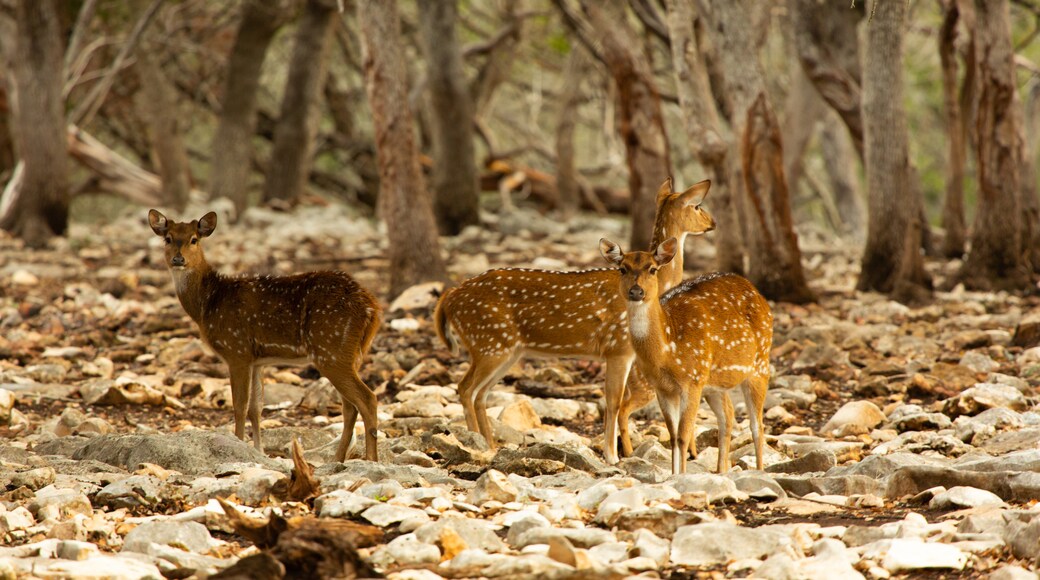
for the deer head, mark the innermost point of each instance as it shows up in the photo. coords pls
(639, 269)
(183, 250)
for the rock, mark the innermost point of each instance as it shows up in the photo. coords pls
(964, 497)
(527, 522)
(562, 550)
(493, 485)
(815, 461)
(631, 498)
(986, 424)
(830, 560)
(59, 504)
(580, 537)
(341, 503)
(101, 566)
(474, 533)
(344, 474)
(34, 478)
(17, 519)
(715, 487)
(853, 418)
(189, 452)
(819, 356)
(406, 550)
(410, 457)
(24, 278)
(383, 515)
(7, 401)
(520, 415)
(1011, 572)
(1024, 538)
(646, 543)
(455, 452)
(190, 536)
(573, 456)
(418, 297)
(132, 492)
(978, 362)
(984, 396)
(899, 555)
(710, 543)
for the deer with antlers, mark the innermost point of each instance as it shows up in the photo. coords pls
(325, 318)
(711, 333)
(505, 314)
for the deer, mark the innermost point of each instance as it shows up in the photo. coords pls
(706, 335)
(325, 318)
(505, 314)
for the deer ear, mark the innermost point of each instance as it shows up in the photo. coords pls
(665, 251)
(696, 194)
(160, 225)
(665, 190)
(207, 224)
(611, 251)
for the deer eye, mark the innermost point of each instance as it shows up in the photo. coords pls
(194, 241)
(169, 240)
(623, 270)
(653, 270)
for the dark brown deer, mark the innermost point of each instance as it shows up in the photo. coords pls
(325, 318)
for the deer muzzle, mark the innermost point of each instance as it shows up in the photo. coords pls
(636, 294)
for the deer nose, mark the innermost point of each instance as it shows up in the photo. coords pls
(177, 260)
(636, 294)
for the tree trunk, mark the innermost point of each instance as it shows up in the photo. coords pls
(839, 160)
(802, 110)
(8, 157)
(894, 203)
(570, 98)
(774, 261)
(828, 49)
(233, 142)
(953, 203)
(404, 202)
(704, 136)
(1031, 124)
(639, 107)
(38, 208)
(156, 100)
(293, 149)
(455, 193)
(996, 257)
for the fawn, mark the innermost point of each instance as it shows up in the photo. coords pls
(325, 318)
(707, 334)
(502, 315)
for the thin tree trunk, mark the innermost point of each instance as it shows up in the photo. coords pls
(455, 192)
(803, 109)
(774, 261)
(404, 201)
(8, 158)
(953, 203)
(37, 209)
(704, 135)
(996, 257)
(158, 104)
(1031, 124)
(894, 202)
(828, 49)
(233, 142)
(839, 161)
(570, 99)
(293, 149)
(641, 123)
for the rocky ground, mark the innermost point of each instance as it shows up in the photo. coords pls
(903, 442)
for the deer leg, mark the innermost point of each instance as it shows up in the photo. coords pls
(687, 421)
(240, 396)
(355, 392)
(256, 404)
(465, 388)
(481, 393)
(617, 373)
(754, 389)
(670, 408)
(346, 440)
(638, 394)
(722, 406)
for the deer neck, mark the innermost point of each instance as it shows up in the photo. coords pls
(671, 274)
(650, 331)
(193, 286)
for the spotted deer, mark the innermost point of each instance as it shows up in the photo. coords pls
(709, 334)
(505, 314)
(325, 318)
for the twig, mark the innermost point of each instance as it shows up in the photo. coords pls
(90, 105)
(86, 14)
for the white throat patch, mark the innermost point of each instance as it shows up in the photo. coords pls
(180, 279)
(639, 319)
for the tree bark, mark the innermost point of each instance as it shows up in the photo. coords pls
(802, 110)
(639, 107)
(894, 203)
(404, 202)
(37, 209)
(704, 135)
(455, 193)
(571, 95)
(156, 99)
(839, 161)
(774, 261)
(996, 256)
(233, 142)
(293, 149)
(828, 49)
(953, 203)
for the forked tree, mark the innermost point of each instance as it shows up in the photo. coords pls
(404, 201)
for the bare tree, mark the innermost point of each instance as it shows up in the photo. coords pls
(894, 202)
(455, 191)
(839, 161)
(570, 98)
(35, 207)
(996, 256)
(953, 203)
(293, 149)
(704, 134)
(774, 261)
(232, 144)
(403, 199)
